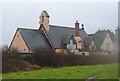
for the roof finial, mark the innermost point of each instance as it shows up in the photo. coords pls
(82, 26)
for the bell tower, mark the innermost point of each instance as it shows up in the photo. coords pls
(44, 19)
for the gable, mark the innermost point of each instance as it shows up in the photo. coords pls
(19, 43)
(107, 40)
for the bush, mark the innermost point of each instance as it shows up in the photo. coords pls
(13, 62)
(51, 59)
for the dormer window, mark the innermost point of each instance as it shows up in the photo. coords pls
(71, 46)
(71, 42)
(92, 45)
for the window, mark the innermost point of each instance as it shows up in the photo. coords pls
(92, 43)
(42, 19)
(48, 21)
(71, 42)
(107, 45)
(83, 53)
(107, 37)
(71, 47)
(79, 41)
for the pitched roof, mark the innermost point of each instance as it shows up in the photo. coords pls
(67, 38)
(34, 38)
(98, 38)
(88, 40)
(46, 13)
(56, 34)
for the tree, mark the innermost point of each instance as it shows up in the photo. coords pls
(112, 35)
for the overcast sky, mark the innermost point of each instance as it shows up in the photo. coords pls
(94, 15)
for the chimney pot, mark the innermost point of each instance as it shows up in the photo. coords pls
(76, 21)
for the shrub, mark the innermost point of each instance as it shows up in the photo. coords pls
(13, 62)
(48, 58)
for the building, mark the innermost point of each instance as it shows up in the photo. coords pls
(59, 38)
(100, 41)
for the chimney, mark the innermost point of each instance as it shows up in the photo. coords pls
(77, 29)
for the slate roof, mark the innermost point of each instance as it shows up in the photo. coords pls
(34, 38)
(56, 34)
(88, 40)
(98, 38)
(46, 13)
(67, 38)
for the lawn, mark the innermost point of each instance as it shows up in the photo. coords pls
(105, 71)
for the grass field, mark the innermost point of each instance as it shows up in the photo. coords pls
(105, 71)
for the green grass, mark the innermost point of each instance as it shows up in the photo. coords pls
(105, 71)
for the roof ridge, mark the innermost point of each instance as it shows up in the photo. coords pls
(64, 27)
(27, 29)
(61, 26)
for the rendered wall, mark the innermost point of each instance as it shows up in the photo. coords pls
(78, 41)
(108, 40)
(18, 43)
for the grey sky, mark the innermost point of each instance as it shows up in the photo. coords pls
(93, 15)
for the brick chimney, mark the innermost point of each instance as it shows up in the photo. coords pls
(77, 35)
(77, 29)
